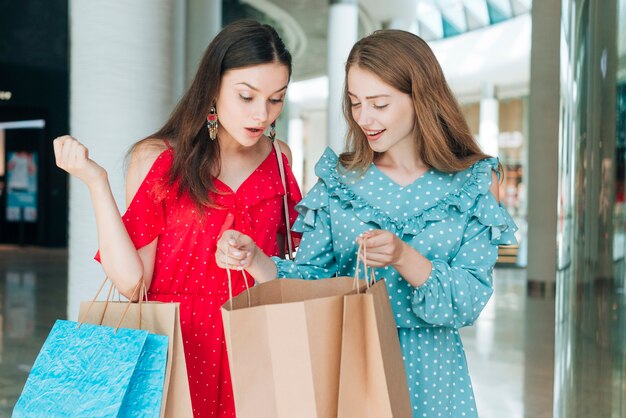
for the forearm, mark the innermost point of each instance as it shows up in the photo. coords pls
(261, 267)
(120, 259)
(413, 266)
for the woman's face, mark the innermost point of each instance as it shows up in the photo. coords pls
(385, 114)
(249, 100)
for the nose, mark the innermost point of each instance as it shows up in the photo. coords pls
(261, 113)
(363, 117)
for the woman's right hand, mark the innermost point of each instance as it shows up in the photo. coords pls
(234, 250)
(73, 157)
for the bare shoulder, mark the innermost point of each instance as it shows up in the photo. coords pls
(285, 150)
(142, 157)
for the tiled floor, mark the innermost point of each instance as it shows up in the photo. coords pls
(509, 349)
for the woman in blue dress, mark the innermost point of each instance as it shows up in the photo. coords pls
(416, 189)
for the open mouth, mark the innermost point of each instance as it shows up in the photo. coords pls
(374, 135)
(255, 130)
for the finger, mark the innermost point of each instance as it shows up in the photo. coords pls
(68, 146)
(226, 261)
(378, 258)
(57, 145)
(78, 155)
(377, 240)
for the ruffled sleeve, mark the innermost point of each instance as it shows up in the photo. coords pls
(315, 258)
(456, 292)
(145, 217)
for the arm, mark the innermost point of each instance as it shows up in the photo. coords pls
(315, 257)
(385, 248)
(122, 263)
(445, 294)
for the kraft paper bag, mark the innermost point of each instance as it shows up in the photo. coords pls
(284, 347)
(372, 376)
(158, 318)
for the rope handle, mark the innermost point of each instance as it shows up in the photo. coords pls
(230, 283)
(281, 170)
(143, 294)
(361, 257)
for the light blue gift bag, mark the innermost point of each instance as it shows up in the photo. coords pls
(95, 371)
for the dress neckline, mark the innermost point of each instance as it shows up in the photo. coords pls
(395, 183)
(229, 189)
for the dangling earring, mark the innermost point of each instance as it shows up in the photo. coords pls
(211, 123)
(272, 134)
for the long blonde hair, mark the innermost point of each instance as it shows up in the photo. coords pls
(405, 62)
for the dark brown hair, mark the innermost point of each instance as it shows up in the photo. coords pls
(405, 62)
(196, 163)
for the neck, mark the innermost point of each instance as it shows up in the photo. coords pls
(402, 156)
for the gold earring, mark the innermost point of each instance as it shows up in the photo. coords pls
(211, 123)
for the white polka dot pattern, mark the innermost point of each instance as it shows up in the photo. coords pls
(454, 221)
(185, 270)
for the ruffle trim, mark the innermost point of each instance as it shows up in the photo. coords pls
(472, 196)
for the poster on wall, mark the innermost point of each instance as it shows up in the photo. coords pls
(21, 186)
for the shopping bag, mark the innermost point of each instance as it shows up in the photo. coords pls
(145, 391)
(158, 318)
(284, 346)
(87, 370)
(372, 376)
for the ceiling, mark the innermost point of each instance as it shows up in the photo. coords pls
(303, 23)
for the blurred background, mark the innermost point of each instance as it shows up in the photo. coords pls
(542, 85)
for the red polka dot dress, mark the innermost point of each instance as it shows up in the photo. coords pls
(185, 270)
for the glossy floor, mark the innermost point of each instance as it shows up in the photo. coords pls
(509, 349)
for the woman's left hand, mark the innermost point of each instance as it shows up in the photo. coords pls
(382, 248)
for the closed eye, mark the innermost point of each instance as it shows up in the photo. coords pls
(381, 106)
(245, 98)
(355, 104)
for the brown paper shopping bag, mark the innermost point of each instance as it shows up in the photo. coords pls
(158, 318)
(372, 376)
(284, 346)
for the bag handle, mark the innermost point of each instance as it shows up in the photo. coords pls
(143, 293)
(361, 256)
(281, 170)
(230, 284)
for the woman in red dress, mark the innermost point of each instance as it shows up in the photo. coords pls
(208, 169)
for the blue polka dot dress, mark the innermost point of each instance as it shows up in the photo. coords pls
(454, 221)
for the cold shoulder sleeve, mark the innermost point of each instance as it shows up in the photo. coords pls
(456, 292)
(144, 218)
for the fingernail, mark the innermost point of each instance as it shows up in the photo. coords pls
(232, 241)
(236, 253)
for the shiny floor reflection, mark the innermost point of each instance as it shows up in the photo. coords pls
(509, 350)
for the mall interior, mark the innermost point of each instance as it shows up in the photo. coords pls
(542, 85)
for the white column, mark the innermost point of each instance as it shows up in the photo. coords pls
(204, 21)
(343, 16)
(489, 127)
(121, 91)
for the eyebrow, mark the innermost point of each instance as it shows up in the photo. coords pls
(371, 97)
(255, 89)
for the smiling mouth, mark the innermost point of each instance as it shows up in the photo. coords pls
(374, 133)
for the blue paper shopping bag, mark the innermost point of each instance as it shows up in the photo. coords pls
(145, 391)
(94, 371)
